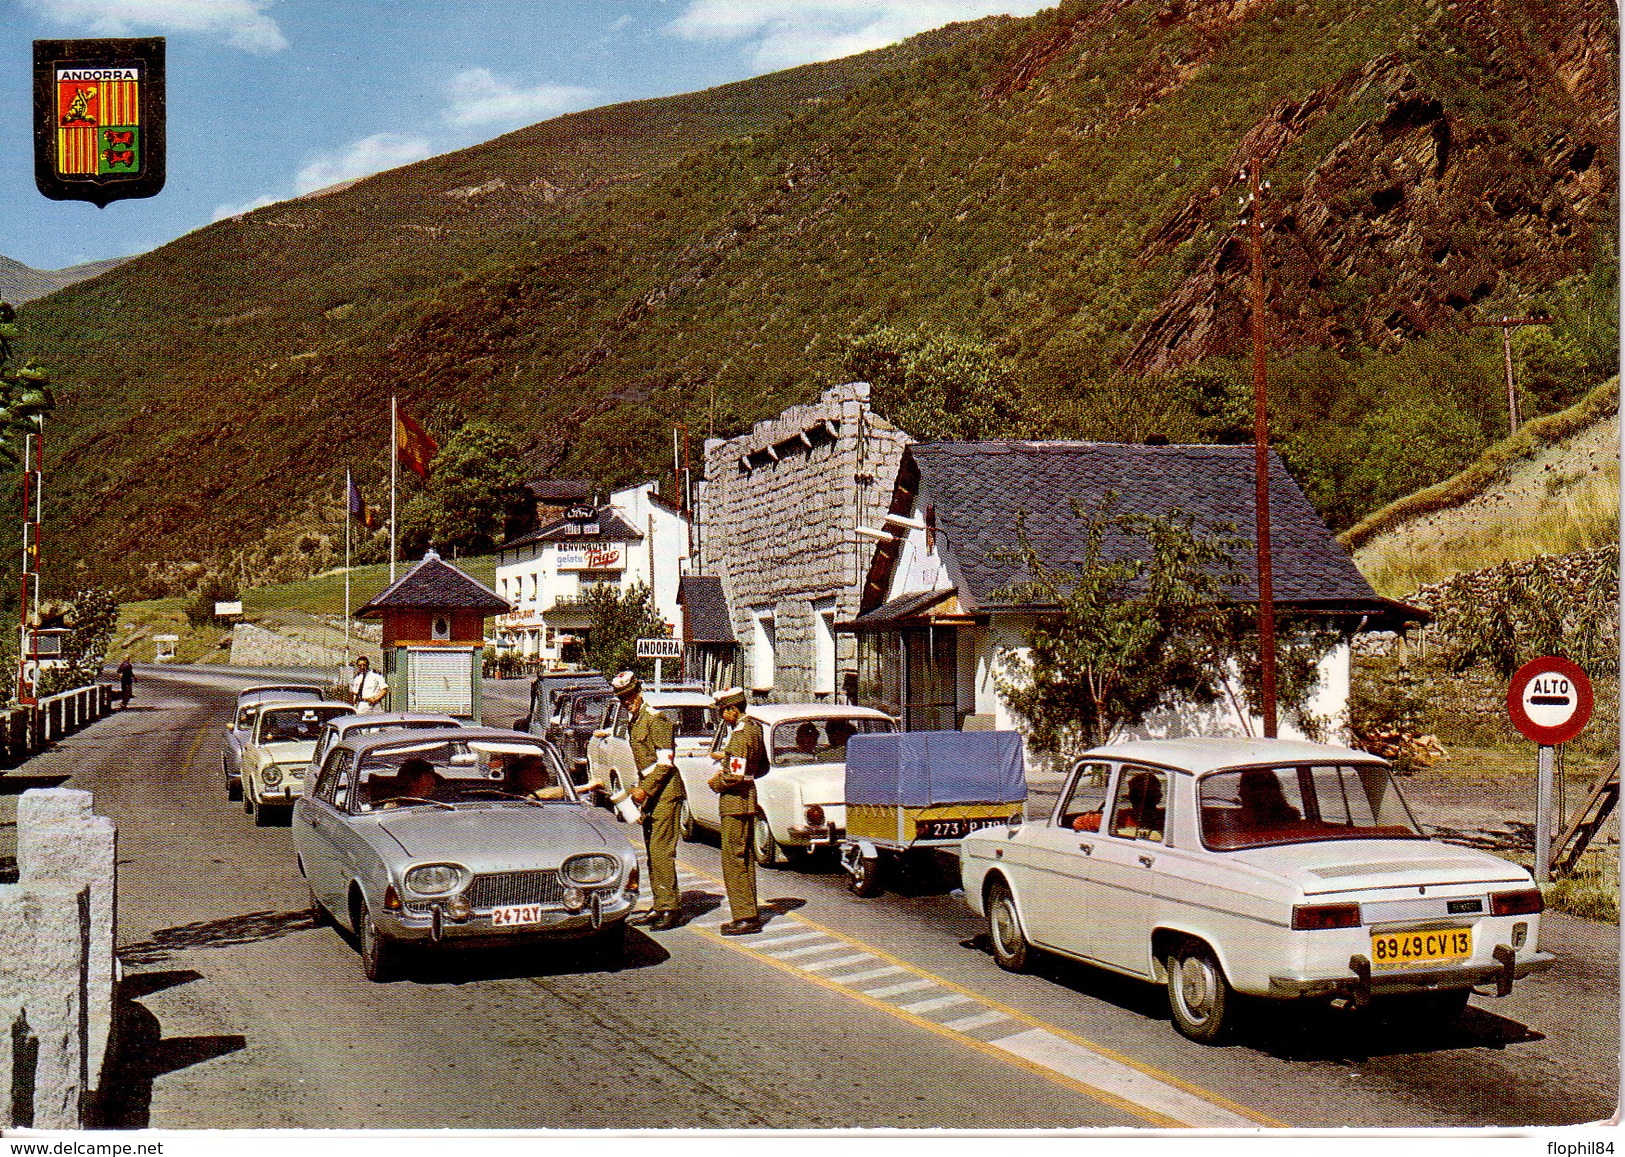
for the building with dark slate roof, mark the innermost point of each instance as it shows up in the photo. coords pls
(933, 620)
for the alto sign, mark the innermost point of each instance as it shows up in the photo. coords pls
(1550, 700)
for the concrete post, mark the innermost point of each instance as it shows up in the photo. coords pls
(60, 843)
(46, 934)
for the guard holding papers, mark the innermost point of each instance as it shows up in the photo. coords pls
(741, 756)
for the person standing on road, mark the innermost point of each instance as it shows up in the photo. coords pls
(126, 682)
(743, 757)
(659, 794)
(367, 689)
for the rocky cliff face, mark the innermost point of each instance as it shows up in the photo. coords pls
(1419, 213)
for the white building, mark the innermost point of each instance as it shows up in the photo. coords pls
(635, 538)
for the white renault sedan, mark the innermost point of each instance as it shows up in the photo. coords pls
(1272, 868)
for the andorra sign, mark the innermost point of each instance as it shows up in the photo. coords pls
(99, 119)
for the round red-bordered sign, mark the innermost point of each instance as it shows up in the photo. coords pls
(1549, 700)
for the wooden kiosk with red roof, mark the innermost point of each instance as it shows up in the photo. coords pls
(433, 637)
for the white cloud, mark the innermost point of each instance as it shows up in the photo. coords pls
(221, 212)
(362, 158)
(480, 98)
(243, 23)
(778, 35)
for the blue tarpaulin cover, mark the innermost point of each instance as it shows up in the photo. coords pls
(924, 768)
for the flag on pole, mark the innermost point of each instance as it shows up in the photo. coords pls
(358, 508)
(413, 444)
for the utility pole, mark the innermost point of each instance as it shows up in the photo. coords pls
(1506, 325)
(1261, 450)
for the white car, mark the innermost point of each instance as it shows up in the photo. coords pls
(240, 727)
(1273, 868)
(341, 727)
(609, 751)
(278, 752)
(801, 800)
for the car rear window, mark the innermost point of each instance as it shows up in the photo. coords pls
(1260, 806)
(805, 741)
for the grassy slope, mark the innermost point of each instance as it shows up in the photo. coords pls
(1550, 489)
(699, 260)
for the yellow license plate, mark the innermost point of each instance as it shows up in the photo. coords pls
(1435, 946)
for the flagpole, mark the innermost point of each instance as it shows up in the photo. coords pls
(349, 489)
(394, 426)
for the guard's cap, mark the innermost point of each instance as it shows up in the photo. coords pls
(731, 697)
(625, 685)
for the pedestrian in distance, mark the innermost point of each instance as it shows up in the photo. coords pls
(126, 683)
(367, 688)
(741, 755)
(659, 795)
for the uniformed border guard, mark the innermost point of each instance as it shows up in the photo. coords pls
(741, 755)
(660, 795)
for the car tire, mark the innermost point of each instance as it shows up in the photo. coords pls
(248, 802)
(766, 847)
(378, 954)
(863, 877)
(1011, 950)
(234, 787)
(685, 822)
(1199, 997)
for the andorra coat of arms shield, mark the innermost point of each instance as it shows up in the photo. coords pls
(99, 118)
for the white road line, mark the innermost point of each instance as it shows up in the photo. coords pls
(936, 1002)
(872, 974)
(790, 939)
(810, 950)
(838, 962)
(1081, 1064)
(899, 989)
(975, 1020)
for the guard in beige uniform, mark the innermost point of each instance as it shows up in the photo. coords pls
(741, 758)
(659, 793)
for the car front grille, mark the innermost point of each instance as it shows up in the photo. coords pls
(499, 888)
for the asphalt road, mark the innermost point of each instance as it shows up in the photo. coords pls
(885, 1012)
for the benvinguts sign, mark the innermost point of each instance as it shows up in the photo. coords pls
(591, 558)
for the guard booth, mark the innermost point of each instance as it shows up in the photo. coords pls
(433, 637)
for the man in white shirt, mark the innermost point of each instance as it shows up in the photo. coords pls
(367, 689)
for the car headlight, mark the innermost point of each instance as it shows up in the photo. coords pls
(271, 776)
(591, 869)
(435, 879)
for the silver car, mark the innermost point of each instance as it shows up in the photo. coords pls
(240, 727)
(424, 837)
(336, 730)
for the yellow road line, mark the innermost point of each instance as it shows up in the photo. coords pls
(186, 767)
(1014, 1013)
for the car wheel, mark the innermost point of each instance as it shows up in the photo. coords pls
(1010, 947)
(863, 877)
(685, 822)
(767, 848)
(234, 787)
(248, 802)
(377, 953)
(1199, 996)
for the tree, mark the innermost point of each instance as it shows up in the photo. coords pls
(616, 621)
(936, 386)
(475, 494)
(1138, 625)
(25, 391)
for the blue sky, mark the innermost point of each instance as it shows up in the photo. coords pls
(273, 98)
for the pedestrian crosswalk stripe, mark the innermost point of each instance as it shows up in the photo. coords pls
(1051, 1051)
(871, 974)
(935, 1003)
(899, 989)
(838, 962)
(809, 950)
(975, 1020)
(792, 938)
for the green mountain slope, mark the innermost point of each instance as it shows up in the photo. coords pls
(1060, 186)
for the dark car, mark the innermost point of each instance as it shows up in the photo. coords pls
(577, 713)
(545, 687)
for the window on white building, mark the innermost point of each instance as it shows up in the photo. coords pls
(824, 647)
(589, 579)
(764, 652)
(535, 585)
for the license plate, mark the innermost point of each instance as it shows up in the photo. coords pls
(1435, 946)
(954, 829)
(516, 914)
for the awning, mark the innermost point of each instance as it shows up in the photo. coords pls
(907, 609)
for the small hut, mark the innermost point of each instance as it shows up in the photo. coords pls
(433, 636)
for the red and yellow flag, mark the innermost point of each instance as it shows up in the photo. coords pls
(413, 444)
